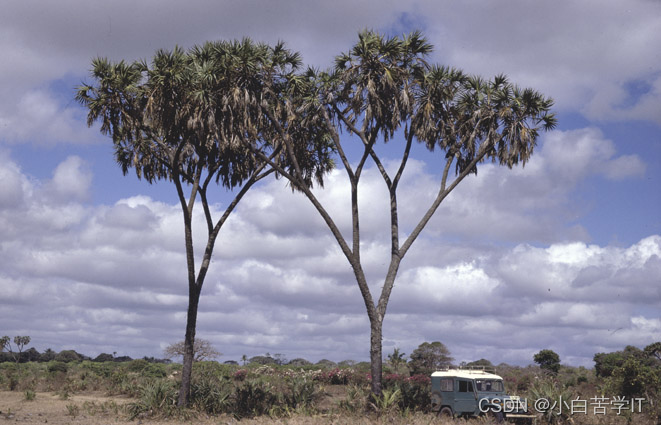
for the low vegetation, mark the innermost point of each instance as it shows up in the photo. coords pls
(298, 388)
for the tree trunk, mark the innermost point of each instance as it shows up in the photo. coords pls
(376, 358)
(189, 344)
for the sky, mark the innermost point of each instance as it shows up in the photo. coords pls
(563, 254)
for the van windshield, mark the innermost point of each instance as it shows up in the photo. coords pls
(489, 385)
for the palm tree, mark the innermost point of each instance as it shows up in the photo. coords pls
(381, 90)
(193, 118)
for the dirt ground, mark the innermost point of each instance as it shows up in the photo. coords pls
(52, 409)
(99, 409)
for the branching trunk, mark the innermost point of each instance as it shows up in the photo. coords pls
(195, 283)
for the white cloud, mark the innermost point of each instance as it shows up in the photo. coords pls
(117, 273)
(583, 54)
(99, 273)
(592, 57)
(71, 180)
(37, 117)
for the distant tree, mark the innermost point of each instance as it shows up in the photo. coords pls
(19, 341)
(47, 355)
(346, 363)
(396, 359)
(30, 355)
(231, 362)
(327, 364)
(203, 350)
(244, 359)
(298, 362)
(67, 356)
(481, 362)
(605, 364)
(632, 372)
(4, 343)
(191, 118)
(263, 360)
(104, 357)
(428, 357)
(280, 359)
(548, 360)
(654, 350)
(122, 359)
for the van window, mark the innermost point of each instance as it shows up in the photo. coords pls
(489, 385)
(446, 385)
(465, 386)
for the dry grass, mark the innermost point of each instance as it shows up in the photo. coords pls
(97, 409)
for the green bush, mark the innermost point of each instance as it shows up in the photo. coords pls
(156, 397)
(549, 389)
(211, 395)
(213, 369)
(57, 366)
(137, 365)
(104, 369)
(301, 393)
(253, 398)
(155, 370)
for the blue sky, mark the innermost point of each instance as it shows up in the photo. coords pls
(554, 255)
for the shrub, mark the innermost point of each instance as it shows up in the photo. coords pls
(414, 391)
(387, 402)
(253, 397)
(356, 399)
(552, 391)
(240, 375)
(155, 370)
(137, 365)
(157, 398)
(211, 395)
(57, 366)
(301, 393)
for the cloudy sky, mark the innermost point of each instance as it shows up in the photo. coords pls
(562, 254)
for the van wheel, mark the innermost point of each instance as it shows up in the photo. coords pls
(445, 412)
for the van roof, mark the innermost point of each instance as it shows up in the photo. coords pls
(465, 373)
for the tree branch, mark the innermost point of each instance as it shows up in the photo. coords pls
(442, 194)
(405, 157)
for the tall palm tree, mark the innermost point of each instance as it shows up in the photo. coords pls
(193, 117)
(384, 90)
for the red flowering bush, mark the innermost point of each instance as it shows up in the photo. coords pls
(240, 375)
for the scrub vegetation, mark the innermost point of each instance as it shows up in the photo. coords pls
(302, 392)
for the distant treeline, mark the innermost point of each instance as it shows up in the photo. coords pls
(66, 356)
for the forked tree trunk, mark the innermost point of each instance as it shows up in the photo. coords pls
(189, 350)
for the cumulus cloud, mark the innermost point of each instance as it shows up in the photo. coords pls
(38, 117)
(604, 66)
(586, 55)
(278, 282)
